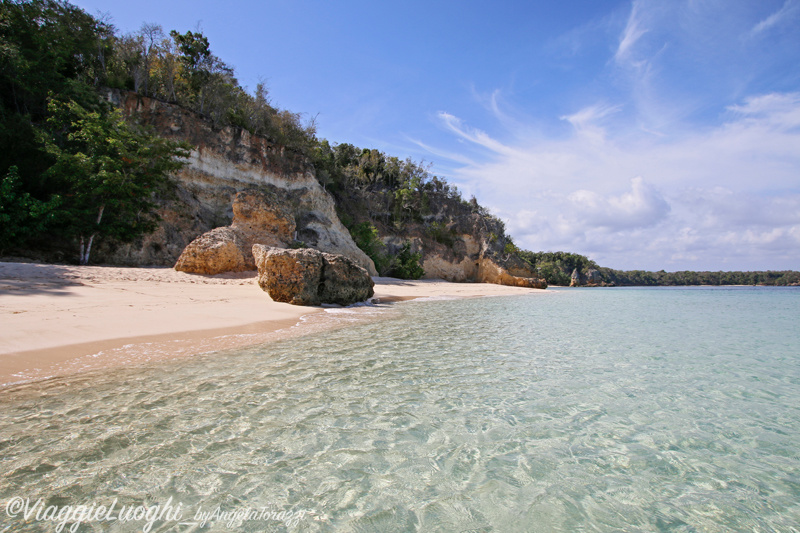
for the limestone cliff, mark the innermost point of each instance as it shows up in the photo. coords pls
(459, 241)
(466, 246)
(223, 162)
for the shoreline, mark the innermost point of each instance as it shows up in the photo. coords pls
(60, 319)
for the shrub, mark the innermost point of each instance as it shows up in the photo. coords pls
(405, 264)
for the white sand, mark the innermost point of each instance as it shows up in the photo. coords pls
(57, 319)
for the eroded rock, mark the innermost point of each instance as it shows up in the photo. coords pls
(490, 272)
(257, 219)
(216, 251)
(310, 277)
(222, 162)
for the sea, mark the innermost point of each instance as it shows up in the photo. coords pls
(596, 410)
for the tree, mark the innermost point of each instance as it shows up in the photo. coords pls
(109, 170)
(21, 215)
(405, 264)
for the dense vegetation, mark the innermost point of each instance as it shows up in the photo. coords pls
(557, 267)
(641, 277)
(377, 194)
(72, 168)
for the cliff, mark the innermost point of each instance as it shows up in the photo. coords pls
(458, 240)
(223, 162)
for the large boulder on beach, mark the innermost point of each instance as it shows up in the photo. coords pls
(309, 277)
(213, 252)
(257, 219)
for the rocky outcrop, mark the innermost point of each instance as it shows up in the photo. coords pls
(489, 271)
(225, 161)
(467, 246)
(258, 218)
(590, 278)
(310, 277)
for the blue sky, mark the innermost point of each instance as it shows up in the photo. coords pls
(644, 134)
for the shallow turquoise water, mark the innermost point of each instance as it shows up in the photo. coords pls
(581, 410)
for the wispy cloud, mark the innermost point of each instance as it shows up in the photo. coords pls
(634, 30)
(786, 12)
(472, 135)
(728, 194)
(716, 186)
(587, 121)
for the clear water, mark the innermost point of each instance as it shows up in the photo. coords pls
(581, 410)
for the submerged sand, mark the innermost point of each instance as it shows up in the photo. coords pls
(58, 319)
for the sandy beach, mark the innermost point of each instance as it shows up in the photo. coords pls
(59, 319)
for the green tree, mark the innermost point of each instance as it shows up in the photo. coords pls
(366, 237)
(21, 216)
(405, 265)
(45, 46)
(109, 170)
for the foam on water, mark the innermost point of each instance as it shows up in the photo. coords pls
(601, 410)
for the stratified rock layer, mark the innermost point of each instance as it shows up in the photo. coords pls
(223, 162)
(310, 277)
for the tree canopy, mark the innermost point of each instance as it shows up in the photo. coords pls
(109, 171)
(74, 169)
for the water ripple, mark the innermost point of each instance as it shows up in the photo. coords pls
(591, 411)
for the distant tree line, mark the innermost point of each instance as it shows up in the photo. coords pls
(686, 277)
(557, 269)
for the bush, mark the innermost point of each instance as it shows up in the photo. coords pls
(440, 233)
(366, 237)
(405, 265)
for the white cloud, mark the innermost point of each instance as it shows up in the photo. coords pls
(788, 10)
(476, 136)
(587, 121)
(778, 110)
(641, 207)
(634, 31)
(724, 197)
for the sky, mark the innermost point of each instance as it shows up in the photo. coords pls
(645, 134)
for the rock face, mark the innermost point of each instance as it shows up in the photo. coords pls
(491, 272)
(258, 218)
(590, 278)
(229, 160)
(473, 254)
(225, 161)
(310, 277)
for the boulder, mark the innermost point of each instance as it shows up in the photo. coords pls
(213, 252)
(257, 219)
(310, 277)
(590, 278)
(593, 277)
